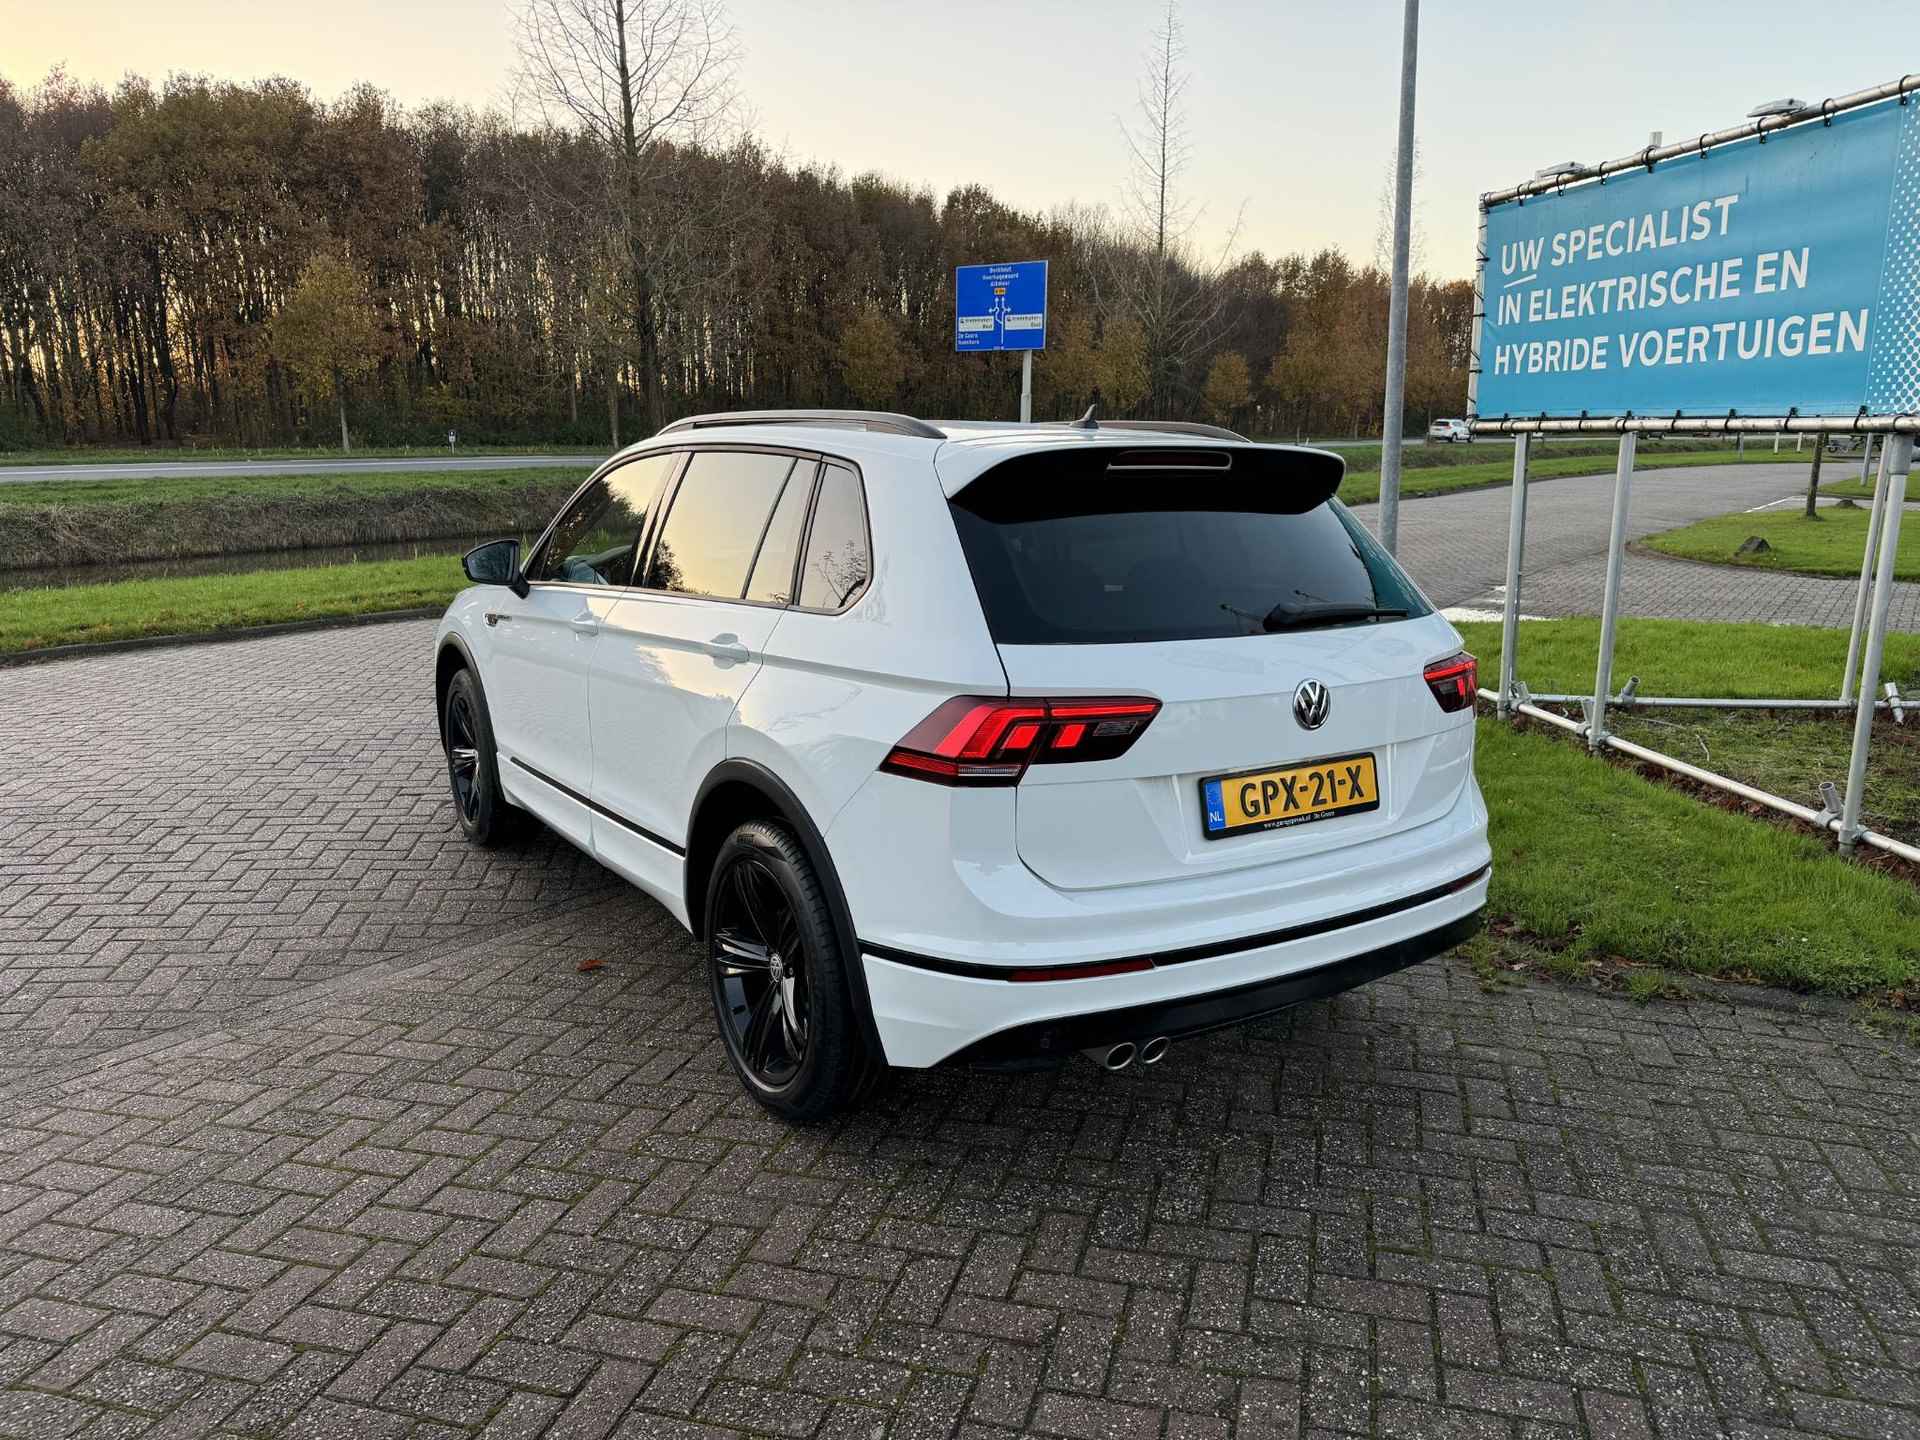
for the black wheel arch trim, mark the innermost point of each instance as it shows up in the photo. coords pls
(788, 808)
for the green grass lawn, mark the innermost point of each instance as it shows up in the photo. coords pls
(1601, 872)
(39, 619)
(176, 488)
(167, 455)
(1829, 545)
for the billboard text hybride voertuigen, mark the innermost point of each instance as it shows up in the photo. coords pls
(1759, 279)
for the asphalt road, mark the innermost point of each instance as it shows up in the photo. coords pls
(160, 470)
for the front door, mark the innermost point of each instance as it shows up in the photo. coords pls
(543, 644)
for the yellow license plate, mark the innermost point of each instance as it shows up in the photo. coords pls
(1293, 795)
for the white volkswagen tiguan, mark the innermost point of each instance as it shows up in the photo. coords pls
(977, 744)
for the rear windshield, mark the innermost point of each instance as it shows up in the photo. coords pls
(1183, 556)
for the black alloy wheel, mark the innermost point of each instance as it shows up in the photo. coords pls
(487, 818)
(463, 756)
(760, 974)
(778, 975)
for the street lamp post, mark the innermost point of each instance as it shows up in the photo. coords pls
(1392, 420)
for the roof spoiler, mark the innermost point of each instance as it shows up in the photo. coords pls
(1282, 480)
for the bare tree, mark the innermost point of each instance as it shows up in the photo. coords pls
(652, 81)
(1161, 285)
(1383, 217)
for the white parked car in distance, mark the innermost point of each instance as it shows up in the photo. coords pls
(977, 744)
(1450, 431)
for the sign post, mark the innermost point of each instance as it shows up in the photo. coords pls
(1003, 307)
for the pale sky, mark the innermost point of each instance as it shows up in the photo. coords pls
(1291, 113)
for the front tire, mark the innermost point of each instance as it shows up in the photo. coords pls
(487, 818)
(779, 979)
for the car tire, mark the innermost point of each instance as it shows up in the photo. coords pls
(487, 818)
(782, 995)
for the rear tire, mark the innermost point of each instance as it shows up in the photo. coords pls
(487, 818)
(779, 978)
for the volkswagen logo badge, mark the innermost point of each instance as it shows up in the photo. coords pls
(1311, 701)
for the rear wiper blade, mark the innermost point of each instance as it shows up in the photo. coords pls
(1295, 617)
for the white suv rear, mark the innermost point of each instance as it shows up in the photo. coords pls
(978, 744)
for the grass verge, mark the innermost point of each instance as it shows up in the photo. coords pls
(194, 489)
(1829, 545)
(81, 614)
(1601, 873)
(64, 523)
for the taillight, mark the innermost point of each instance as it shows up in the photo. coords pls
(1454, 681)
(977, 740)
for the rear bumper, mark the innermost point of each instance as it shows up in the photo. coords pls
(928, 1015)
(1047, 1041)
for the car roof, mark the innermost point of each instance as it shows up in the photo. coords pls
(960, 450)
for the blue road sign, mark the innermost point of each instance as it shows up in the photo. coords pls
(1000, 307)
(1756, 278)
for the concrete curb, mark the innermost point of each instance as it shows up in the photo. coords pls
(211, 637)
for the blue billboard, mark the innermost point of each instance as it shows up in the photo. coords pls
(1761, 279)
(1000, 307)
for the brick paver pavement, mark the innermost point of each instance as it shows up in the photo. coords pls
(312, 1124)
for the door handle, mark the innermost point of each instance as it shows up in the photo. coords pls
(727, 646)
(585, 624)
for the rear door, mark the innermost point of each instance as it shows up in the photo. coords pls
(1207, 589)
(677, 652)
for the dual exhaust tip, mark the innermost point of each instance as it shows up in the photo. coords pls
(1120, 1056)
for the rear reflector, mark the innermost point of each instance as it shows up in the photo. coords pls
(1454, 681)
(979, 740)
(1084, 972)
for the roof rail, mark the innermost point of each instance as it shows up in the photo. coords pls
(881, 420)
(1176, 427)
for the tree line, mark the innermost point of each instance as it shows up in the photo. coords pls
(208, 262)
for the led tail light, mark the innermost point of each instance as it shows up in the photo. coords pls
(978, 740)
(1454, 681)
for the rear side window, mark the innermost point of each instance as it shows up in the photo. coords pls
(1115, 556)
(838, 563)
(718, 516)
(772, 581)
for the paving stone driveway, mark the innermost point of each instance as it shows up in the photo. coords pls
(311, 1123)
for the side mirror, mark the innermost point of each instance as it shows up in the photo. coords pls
(495, 563)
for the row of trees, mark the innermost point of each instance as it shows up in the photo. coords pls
(246, 264)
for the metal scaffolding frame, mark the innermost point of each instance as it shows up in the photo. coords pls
(1860, 688)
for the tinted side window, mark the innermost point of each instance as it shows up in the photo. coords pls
(594, 541)
(772, 580)
(714, 527)
(838, 563)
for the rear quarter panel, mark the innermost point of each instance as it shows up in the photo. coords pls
(836, 692)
